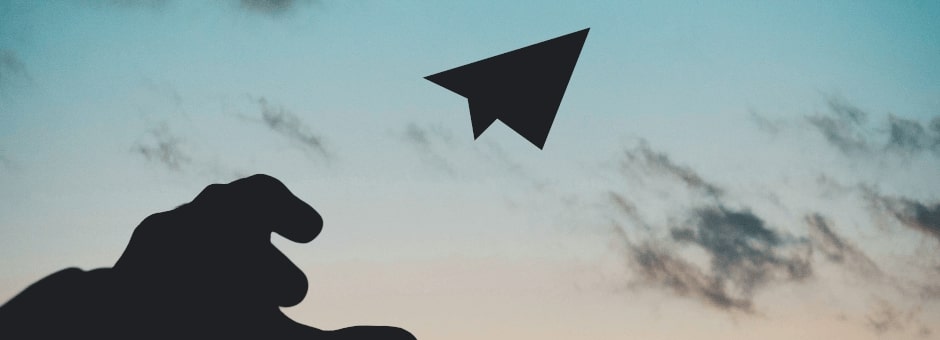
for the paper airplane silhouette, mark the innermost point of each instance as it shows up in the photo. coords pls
(523, 88)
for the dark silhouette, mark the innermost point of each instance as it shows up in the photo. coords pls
(523, 88)
(206, 269)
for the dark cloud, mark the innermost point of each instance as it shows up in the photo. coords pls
(846, 127)
(743, 253)
(285, 123)
(660, 266)
(837, 249)
(924, 217)
(935, 126)
(163, 147)
(842, 126)
(907, 135)
(911, 137)
(659, 163)
(271, 7)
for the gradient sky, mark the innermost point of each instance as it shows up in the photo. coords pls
(731, 170)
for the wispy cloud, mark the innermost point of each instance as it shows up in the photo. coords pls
(885, 318)
(911, 137)
(744, 250)
(429, 142)
(842, 126)
(272, 7)
(658, 265)
(920, 216)
(837, 249)
(764, 123)
(266, 7)
(289, 125)
(658, 162)
(744, 253)
(5, 162)
(847, 127)
(154, 4)
(744, 256)
(12, 69)
(163, 147)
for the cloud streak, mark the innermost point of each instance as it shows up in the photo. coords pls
(5, 162)
(660, 163)
(12, 68)
(271, 7)
(428, 143)
(743, 253)
(658, 265)
(164, 148)
(885, 318)
(911, 137)
(920, 216)
(837, 249)
(289, 125)
(846, 127)
(842, 126)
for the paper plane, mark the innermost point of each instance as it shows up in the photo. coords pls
(522, 88)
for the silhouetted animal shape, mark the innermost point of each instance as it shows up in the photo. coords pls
(206, 269)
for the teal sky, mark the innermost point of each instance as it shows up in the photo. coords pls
(113, 110)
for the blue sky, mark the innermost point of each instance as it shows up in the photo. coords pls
(112, 110)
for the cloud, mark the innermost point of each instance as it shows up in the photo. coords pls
(837, 249)
(628, 209)
(428, 143)
(885, 318)
(842, 126)
(911, 137)
(11, 68)
(6, 163)
(923, 217)
(437, 147)
(658, 162)
(271, 7)
(267, 7)
(661, 266)
(764, 123)
(846, 127)
(289, 125)
(742, 253)
(917, 215)
(163, 148)
(130, 3)
(744, 256)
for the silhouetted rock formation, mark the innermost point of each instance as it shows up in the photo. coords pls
(206, 269)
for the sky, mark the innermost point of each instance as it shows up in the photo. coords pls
(723, 170)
